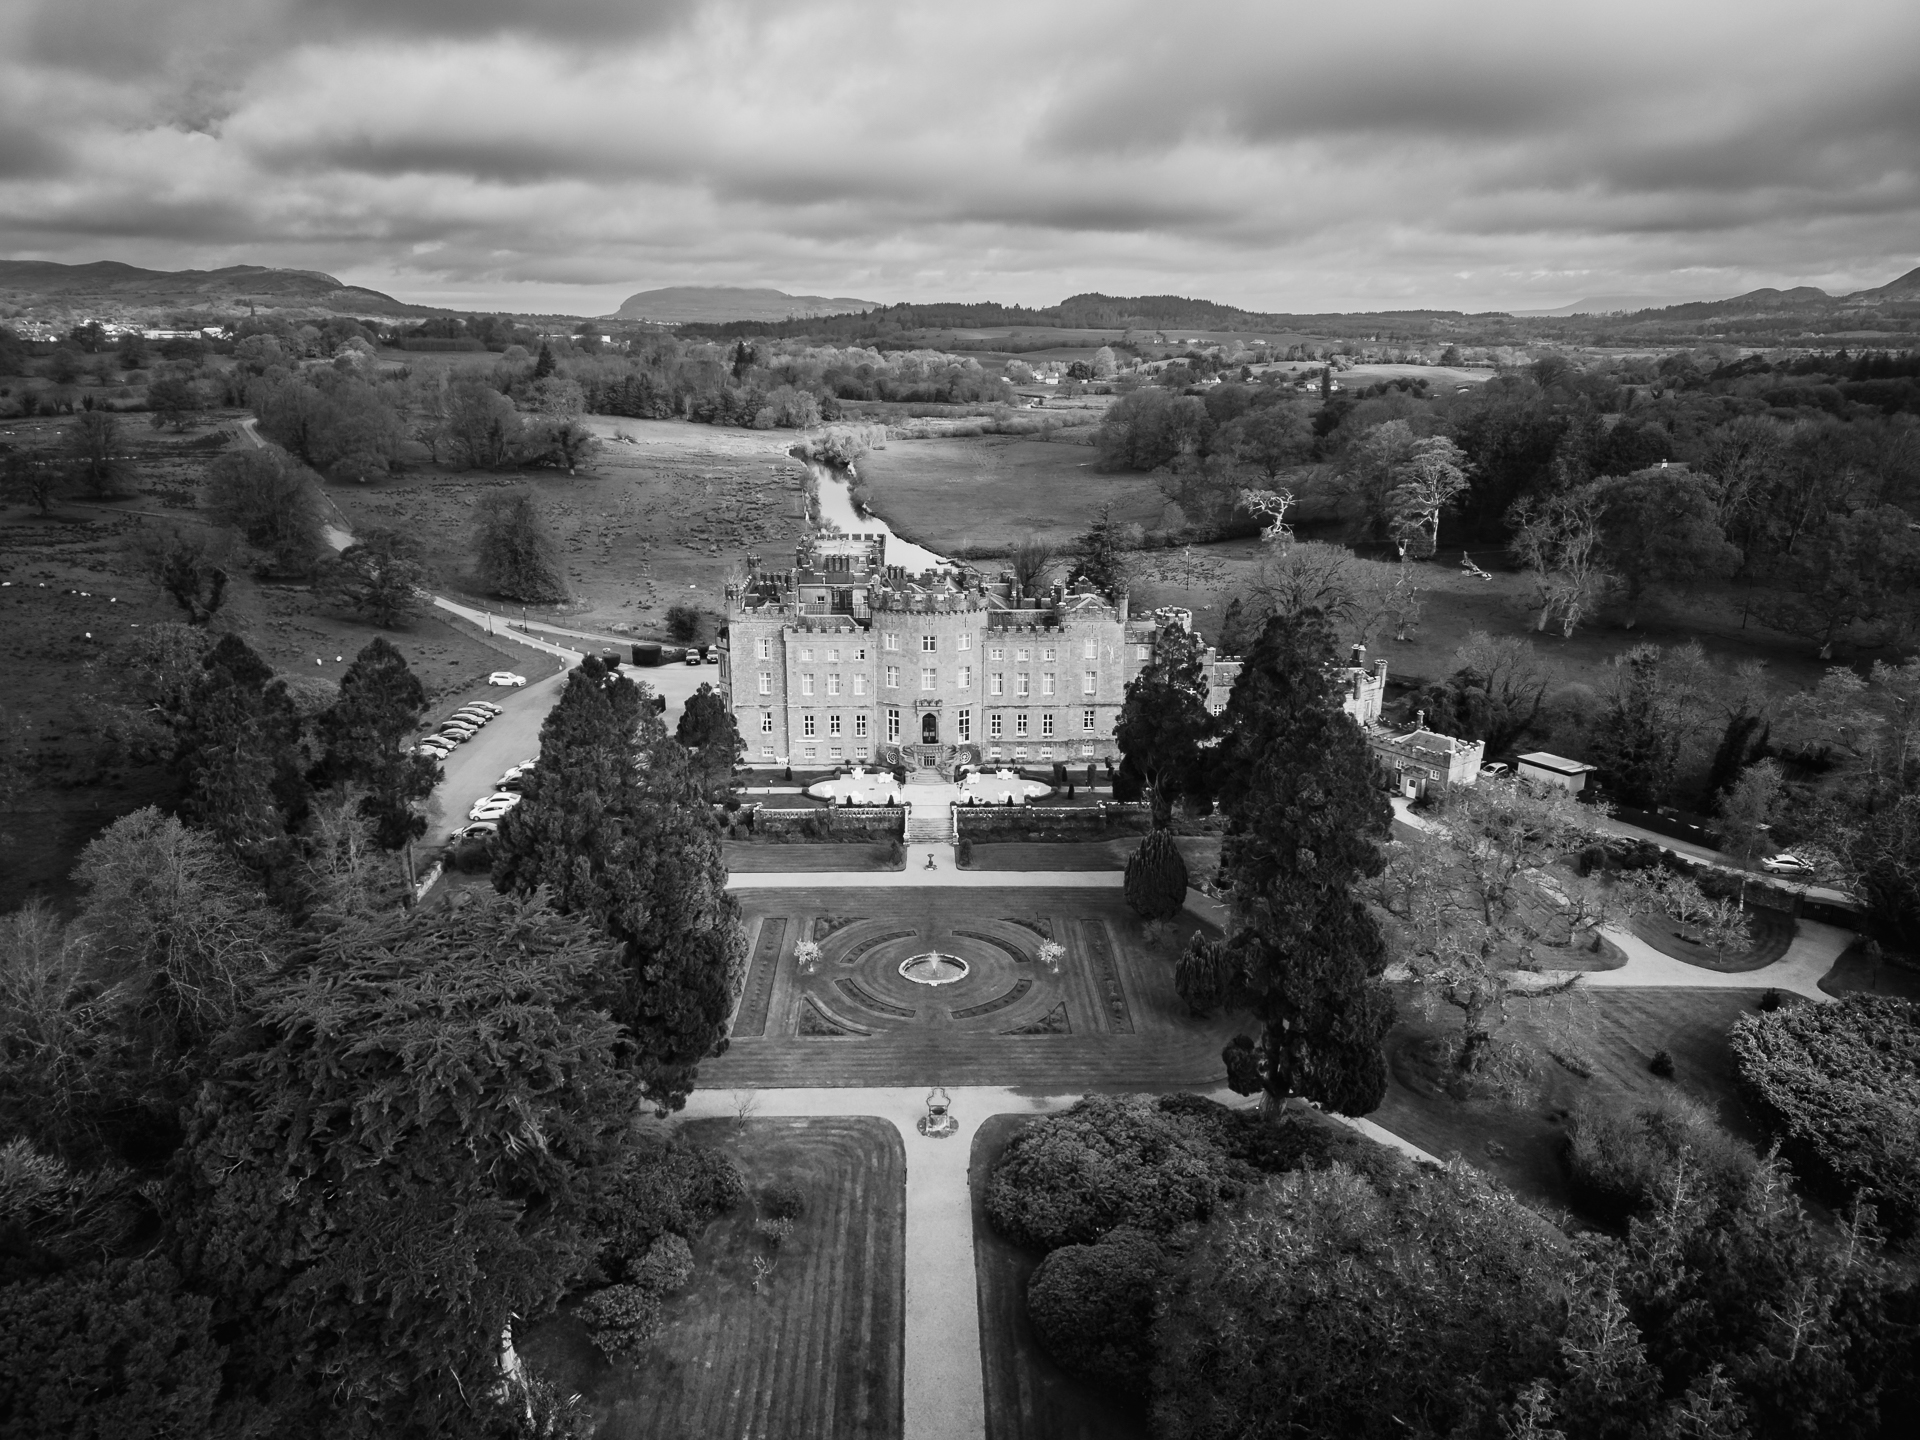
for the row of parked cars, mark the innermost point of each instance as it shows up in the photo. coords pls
(457, 729)
(483, 820)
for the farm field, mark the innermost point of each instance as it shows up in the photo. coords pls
(989, 492)
(1028, 1397)
(813, 1353)
(1613, 1033)
(663, 514)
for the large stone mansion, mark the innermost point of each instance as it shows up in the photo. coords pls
(843, 659)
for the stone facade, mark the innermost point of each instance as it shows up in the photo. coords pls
(1423, 763)
(842, 659)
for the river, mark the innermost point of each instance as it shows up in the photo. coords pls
(838, 513)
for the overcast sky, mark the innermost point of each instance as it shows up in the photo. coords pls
(561, 154)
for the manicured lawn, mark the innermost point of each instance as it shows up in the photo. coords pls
(1106, 1018)
(1614, 1034)
(1028, 1397)
(1856, 972)
(815, 1352)
(1772, 934)
(751, 859)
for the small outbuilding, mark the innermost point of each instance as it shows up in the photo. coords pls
(1555, 770)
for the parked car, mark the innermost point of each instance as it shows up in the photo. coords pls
(460, 730)
(506, 677)
(713, 655)
(473, 713)
(493, 806)
(693, 655)
(436, 749)
(478, 830)
(486, 705)
(1786, 864)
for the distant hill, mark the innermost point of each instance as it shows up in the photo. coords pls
(1907, 287)
(725, 304)
(1610, 305)
(108, 288)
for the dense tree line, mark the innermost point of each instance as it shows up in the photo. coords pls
(280, 1151)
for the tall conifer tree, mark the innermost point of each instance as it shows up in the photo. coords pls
(1305, 821)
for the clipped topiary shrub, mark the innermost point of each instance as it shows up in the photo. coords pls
(620, 1319)
(1662, 1064)
(1092, 1307)
(1156, 882)
(1203, 975)
(1839, 1085)
(667, 1265)
(784, 1200)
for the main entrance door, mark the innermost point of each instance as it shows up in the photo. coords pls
(929, 729)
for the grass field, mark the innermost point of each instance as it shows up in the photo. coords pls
(989, 492)
(74, 599)
(1614, 1034)
(1028, 1397)
(814, 1353)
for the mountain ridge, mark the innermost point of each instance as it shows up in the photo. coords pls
(721, 304)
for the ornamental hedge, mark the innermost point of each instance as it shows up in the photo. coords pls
(1839, 1085)
(1092, 1307)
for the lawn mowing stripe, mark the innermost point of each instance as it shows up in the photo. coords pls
(760, 976)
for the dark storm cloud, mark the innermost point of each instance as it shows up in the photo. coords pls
(1292, 157)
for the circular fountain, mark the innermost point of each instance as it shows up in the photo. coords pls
(934, 968)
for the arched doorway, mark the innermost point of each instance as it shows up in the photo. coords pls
(929, 729)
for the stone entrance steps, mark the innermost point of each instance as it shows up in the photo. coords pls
(929, 825)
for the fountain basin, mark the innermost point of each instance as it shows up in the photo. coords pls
(934, 968)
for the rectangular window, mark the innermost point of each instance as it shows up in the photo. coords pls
(1022, 684)
(995, 725)
(833, 655)
(766, 752)
(994, 753)
(1086, 721)
(834, 752)
(889, 642)
(766, 683)
(1142, 652)
(862, 752)
(812, 752)
(860, 726)
(766, 723)
(929, 643)
(965, 642)
(1020, 725)
(963, 677)
(1090, 682)
(963, 725)
(996, 684)
(763, 647)
(1019, 752)
(1090, 650)
(806, 684)
(833, 725)
(1046, 683)
(1022, 653)
(893, 677)
(833, 684)
(1047, 654)
(1046, 723)
(893, 725)
(806, 654)
(806, 726)
(859, 684)
(929, 679)
(861, 653)
(996, 653)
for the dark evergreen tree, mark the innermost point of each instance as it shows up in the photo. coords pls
(543, 364)
(365, 732)
(1156, 881)
(1305, 822)
(1203, 975)
(709, 732)
(514, 555)
(1099, 558)
(1164, 719)
(239, 750)
(398, 1156)
(1741, 743)
(614, 824)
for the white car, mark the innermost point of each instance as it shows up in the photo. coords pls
(492, 807)
(506, 677)
(713, 655)
(433, 749)
(693, 657)
(1785, 864)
